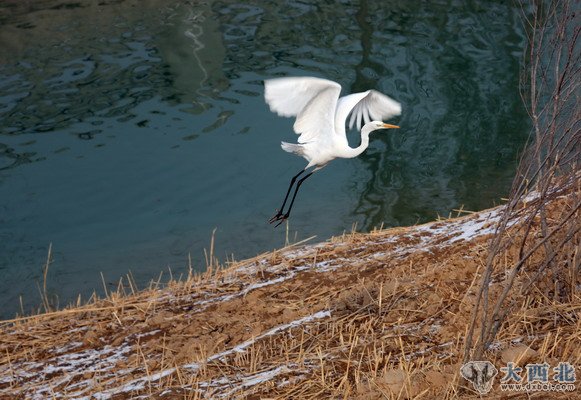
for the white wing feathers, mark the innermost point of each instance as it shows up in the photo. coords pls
(319, 110)
(312, 100)
(316, 119)
(288, 96)
(367, 106)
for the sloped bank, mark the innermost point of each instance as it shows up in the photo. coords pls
(378, 315)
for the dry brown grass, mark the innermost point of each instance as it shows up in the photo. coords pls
(378, 315)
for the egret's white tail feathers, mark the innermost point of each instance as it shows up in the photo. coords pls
(293, 148)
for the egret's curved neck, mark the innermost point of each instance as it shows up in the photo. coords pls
(354, 152)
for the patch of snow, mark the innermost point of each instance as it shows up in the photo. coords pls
(66, 348)
(495, 346)
(424, 351)
(253, 380)
(133, 385)
(140, 335)
(141, 382)
(242, 346)
(434, 328)
(220, 299)
(37, 379)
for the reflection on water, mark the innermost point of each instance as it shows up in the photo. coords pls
(130, 129)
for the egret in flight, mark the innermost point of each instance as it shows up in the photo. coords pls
(320, 121)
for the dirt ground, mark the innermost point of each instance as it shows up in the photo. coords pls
(363, 316)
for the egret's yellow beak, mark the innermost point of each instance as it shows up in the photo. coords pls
(390, 126)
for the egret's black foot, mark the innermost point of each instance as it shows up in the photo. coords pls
(280, 217)
(281, 220)
(275, 217)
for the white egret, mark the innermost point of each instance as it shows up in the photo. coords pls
(320, 121)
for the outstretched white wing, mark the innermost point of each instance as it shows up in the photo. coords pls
(312, 100)
(367, 106)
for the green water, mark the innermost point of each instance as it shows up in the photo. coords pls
(129, 130)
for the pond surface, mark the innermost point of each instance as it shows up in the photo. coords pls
(130, 130)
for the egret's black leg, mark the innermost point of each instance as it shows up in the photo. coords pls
(278, 214)
(299, 183)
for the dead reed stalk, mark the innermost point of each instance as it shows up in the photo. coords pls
(43, 292)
